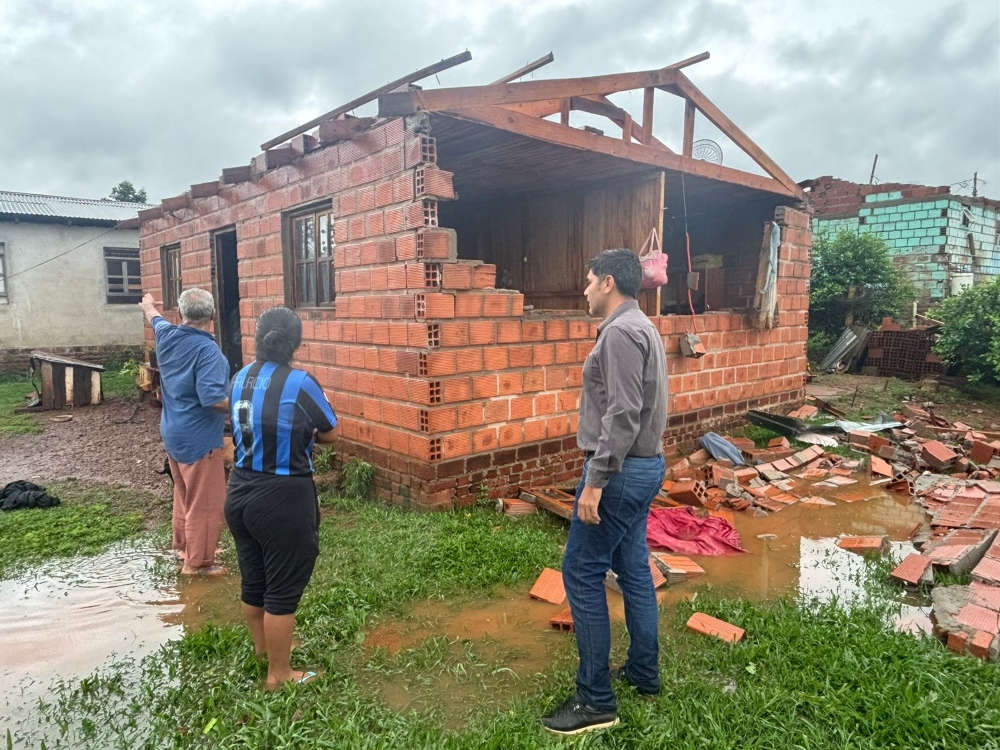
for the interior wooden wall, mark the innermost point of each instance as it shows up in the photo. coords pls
(734, 231)
(541, 245)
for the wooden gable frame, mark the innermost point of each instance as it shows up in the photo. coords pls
(521, 108)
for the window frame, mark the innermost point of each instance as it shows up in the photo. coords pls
(171, 286)
(122, 255)
(294, 260)
(4, 294)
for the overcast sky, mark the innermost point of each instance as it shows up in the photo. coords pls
(168, 93)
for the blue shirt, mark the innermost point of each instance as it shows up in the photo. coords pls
(194, 375)
(274, 410)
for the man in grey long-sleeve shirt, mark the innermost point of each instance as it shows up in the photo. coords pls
(623, 413)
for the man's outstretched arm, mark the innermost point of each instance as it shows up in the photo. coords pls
(148, 307)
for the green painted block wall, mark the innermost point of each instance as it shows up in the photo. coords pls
(929, 239)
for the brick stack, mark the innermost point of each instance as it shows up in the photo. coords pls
(905, 354)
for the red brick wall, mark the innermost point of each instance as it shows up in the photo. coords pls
(440, 380)
(832, 197)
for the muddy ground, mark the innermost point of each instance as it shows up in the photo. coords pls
(117, 442)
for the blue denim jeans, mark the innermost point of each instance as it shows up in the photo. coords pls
(617, 542)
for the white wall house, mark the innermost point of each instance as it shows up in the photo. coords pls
(69, 277)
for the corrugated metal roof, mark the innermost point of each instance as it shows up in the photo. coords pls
(56, 207)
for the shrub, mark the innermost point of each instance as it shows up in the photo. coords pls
(970, 339)
(323, 458)
(861, 261)
(819, 345)
(357, 478)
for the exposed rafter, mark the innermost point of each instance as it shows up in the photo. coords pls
(694, 95)
(430, 70)
(441, 100)
(595, 105)
(529, 68)
(533, 127)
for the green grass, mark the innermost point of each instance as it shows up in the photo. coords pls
(90, 518)
(12, 395)
(14, 388)
(118, 384)
(807, 676)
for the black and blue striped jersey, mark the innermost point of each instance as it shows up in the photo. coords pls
(274, 410)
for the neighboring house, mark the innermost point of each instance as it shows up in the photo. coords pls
(69, 278)
(944, 242)
(437, 257)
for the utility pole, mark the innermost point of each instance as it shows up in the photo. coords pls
(871, 180)
(975, 184)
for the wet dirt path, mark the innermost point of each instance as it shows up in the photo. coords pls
(117, 442)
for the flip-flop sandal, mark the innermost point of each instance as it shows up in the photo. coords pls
(306, 678)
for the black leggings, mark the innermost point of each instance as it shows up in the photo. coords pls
(275, 522)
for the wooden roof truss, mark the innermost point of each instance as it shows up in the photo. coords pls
(521, 108)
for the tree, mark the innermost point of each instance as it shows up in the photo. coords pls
(854, 282)
(970, 338)
(125, 191)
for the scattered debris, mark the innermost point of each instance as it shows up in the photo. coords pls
(699, 622)
(677, 568)
(563, 621)
(681, 530)
(516, 508)
(553, 499)
(804, 412)
(959, 551)
(864, 545)
(720, 448)
(846, 351)
(658, 578)
(549, 587)
(915, 569)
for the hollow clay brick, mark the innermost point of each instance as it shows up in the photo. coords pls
(864, 544)
(549, 587)
(699, 622)
(563, 621)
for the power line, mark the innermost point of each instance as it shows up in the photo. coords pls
(60, 255)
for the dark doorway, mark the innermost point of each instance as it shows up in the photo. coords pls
(227, 299)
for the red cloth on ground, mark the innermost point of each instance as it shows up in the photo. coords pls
(680, 530)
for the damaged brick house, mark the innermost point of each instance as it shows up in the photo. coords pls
(437, 254)
(943, 242)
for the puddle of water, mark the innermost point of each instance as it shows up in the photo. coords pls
(70, 618)
(803, 561)
(452, 658)
(775, 566)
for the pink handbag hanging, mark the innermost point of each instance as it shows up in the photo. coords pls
(654, 262)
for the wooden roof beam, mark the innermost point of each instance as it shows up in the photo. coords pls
(430, 70)
(439, 100)
(552, 132)
(601, 105)
(693, 94)
(529, 68)
(595, 105)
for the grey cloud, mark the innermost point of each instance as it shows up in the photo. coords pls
(166, 95)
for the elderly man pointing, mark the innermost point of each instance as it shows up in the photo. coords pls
(194, 382)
